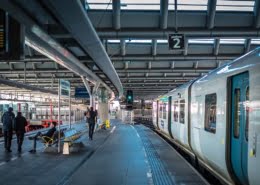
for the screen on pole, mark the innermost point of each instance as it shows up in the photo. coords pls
(64, 88)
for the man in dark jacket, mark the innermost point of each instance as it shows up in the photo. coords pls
(7, 120)
(19, 127)
(91, 122)
(47, 136)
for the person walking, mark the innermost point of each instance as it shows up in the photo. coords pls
(7, 120)
(19, 127)
(92, 122)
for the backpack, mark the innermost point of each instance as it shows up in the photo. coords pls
(7, 120)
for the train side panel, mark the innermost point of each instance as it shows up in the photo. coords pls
(155, 114)
(254, 126)
(179, 115)
(163, 114)
(208, 139)
(211, 115)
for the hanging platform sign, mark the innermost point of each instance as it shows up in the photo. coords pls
(64, 88)
(81, 92)
(176, 41)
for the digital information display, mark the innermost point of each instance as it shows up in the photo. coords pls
(2, 32)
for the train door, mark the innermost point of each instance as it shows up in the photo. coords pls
(239, 125)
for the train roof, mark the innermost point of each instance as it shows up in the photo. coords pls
(232, 66)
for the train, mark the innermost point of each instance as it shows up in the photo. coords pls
(216, 119)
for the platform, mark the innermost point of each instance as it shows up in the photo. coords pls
(123, 154)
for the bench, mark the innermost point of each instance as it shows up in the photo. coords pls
(48, 141)
(71, 138)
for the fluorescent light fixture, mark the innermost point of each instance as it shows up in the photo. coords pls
(255, 41)
(162, 41)
(232, 41)
(138, 41)
(113, 41)
(201, 41)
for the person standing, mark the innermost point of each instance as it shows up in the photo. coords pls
(19, 127)
(7, 120)
(92, 122)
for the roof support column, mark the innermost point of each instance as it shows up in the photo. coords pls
(257, 13)
(211, 13)
(123, 49)
(164, 14)
(247, 45)
(88, 89)
(216, 46)
(154, 47)
(116, 14)
(186, 45)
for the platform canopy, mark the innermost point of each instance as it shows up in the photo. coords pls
(135, 53)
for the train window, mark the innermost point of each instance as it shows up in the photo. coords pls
(210, 112)
(175, 112)
(247, 113)
(237, 114)
(164, 111)
(182, 111)
(160, 111)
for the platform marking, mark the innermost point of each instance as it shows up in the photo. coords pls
(149, 173)
(113, 129)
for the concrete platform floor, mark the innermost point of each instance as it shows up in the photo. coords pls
(123, 154)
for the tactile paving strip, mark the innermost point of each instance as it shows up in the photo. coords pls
(160, 175)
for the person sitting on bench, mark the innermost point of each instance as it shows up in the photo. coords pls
(46, 137)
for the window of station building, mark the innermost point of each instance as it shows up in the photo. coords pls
(176, 111)
(210, 112)
(182, 111)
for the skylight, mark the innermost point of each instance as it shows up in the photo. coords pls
(243, 5)
(232, 41)
(189, 4)
(125, 4)
(201, 41)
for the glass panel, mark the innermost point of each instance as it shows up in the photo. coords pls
(164, 110)
(182, 111)
(210, 112)
(160, 110)
(175, 112)
(189, 5)
(224, 5)
(237, 113)
(247, 113)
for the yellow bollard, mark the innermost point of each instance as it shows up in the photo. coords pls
(107, 124)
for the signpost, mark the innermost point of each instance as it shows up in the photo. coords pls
(64, 91)
(176, 41)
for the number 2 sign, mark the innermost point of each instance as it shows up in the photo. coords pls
(176, 41)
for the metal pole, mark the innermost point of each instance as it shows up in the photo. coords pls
(70, 109)
(59, 116)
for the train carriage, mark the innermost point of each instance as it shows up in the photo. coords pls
(217, 118)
